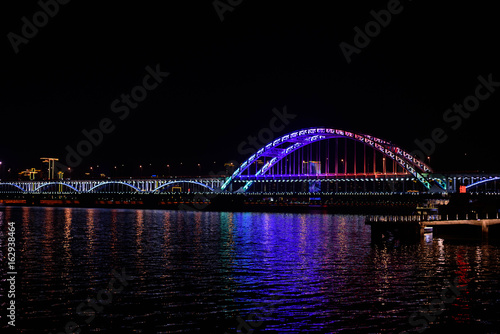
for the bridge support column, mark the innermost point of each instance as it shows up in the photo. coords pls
(484, 230)
(421, 230)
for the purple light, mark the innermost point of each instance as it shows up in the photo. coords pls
(304, 137)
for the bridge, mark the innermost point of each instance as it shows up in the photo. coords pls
(114, 186)
(315, 160)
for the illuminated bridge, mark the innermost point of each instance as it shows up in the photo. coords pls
(314, 160)
(326, 160)
(114, 186)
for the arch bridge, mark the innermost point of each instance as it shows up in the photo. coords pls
(114, 186)
(314, 160)
(326, 159)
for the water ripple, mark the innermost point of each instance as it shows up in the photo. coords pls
(215, 272)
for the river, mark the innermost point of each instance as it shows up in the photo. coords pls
(155, 271)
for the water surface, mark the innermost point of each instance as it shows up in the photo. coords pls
(216, 272)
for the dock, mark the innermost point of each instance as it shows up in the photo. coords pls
(483, 223)
(416, 225)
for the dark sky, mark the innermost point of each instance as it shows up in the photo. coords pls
(227, 76)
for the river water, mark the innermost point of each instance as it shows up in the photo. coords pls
(153, 271)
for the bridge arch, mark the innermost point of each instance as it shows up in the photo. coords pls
(55, 183)
(301, 138)
(113, 182)
(482, 182)
(182, 181)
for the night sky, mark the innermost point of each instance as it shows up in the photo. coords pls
(226, 77)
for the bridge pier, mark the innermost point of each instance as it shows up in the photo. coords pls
(484, 230)
(421, 231)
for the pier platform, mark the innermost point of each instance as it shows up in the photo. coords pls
(416, 226)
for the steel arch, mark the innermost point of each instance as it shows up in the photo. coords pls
(173, 182)
(481, 182)
(55, 183)
(113, 182)
(301, 138)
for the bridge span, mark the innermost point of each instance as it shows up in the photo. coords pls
(315, 160)
(313, 184)
(154, 185)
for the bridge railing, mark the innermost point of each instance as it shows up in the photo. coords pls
(470, 216)
(399, 218)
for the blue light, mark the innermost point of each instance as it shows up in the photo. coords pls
(481, 182)
(307, 136)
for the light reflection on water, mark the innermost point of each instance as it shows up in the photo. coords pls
(209, 271)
